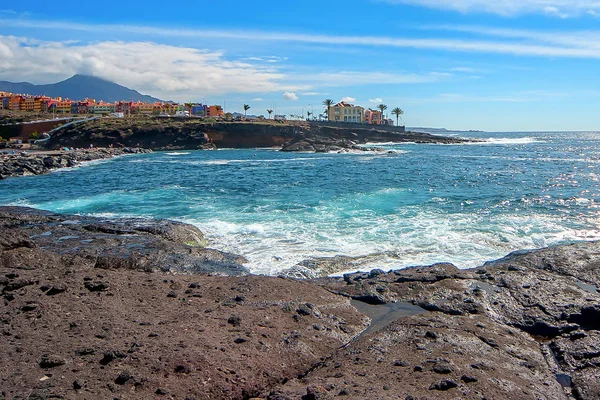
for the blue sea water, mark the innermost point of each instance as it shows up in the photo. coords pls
(464, 204)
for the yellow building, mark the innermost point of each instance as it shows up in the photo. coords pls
(346, 112)
(29, 104)
(145, 108)
(64, 106)
(169, 108)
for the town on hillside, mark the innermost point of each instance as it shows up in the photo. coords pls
(342, 112)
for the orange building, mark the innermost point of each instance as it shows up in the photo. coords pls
(64, 106)
(215, 111)
(29, 104)
(17, 102)
(373, 117)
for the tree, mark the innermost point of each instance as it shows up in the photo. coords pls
(397, 112)
(308, 114)
(246, 108)
(382, 108)
(328, 103)
(270, 112)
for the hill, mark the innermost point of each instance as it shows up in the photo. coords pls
(79, 87)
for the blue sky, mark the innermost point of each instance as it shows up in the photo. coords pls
(460, 64)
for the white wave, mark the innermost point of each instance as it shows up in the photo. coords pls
(178, 153)
(507, 141)
(416, 236)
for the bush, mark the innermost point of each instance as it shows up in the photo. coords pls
(35, 135)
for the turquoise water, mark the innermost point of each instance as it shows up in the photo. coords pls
(464, 204)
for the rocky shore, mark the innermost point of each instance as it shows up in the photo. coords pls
(143, 309)
(182, 134)
(325, 145)
(36, 163)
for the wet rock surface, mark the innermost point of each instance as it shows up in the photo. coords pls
(40, 163)
(45, 239)
(318, 144)
(138, 309)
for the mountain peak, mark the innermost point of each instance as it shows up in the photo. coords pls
(79, 87)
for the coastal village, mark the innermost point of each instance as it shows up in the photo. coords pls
(342, 112)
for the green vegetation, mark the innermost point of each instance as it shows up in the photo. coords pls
(35, 135)
(382, 108)
(328, 103)
(270, 112)
(246, 108)
(397, 112)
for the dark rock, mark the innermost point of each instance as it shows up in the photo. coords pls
(161, 392)
(172, 295)
(240, 340)
(56, 289)
(400, 363)
(234, 320)
(444, 385)
(29, 307)
(85, 352)
(442, 368)
(468, 379)
(77, 385)
(110, 356)
(96, 286)
(182, 369)
(51, 361)
(123, 378)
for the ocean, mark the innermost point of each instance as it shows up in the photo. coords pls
(416, 204)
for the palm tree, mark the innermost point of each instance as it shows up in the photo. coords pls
(246, 108)
(328, 103)
(397, 112)
(382, 108)
(270, 112)
(308, 114)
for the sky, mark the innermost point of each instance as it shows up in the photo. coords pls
(504, 65)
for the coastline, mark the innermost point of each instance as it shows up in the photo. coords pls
(41, 162)
(140, 309)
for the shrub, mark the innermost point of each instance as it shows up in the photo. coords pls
(35, 135)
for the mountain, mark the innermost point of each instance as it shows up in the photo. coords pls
(78, 87)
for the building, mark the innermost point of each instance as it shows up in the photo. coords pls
(101, 108)
(49, 105)
(5, 102)
(199, 110)
(373, 117)
(124, 107)
(346, 112)
(64, 106)
(83, 107)
(215, 111)
(28, 104)
(143, 108)
(16, 102)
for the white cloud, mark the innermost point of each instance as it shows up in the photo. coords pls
(559, 8)
(173, 75)
(314, 94)
(258, 99)
(290, 96)
(376, 100)
(349, 99)
(585, 48)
